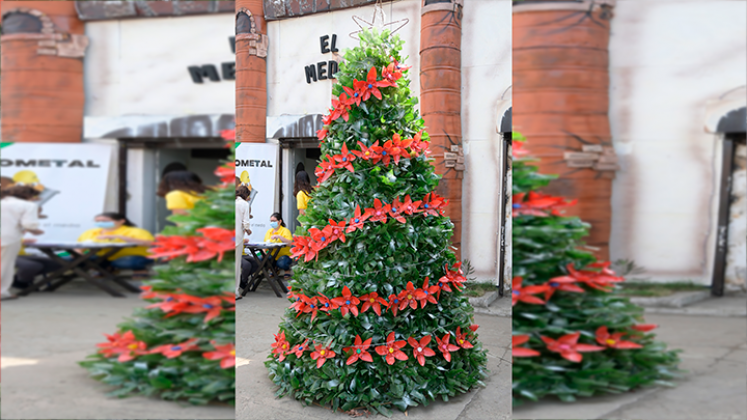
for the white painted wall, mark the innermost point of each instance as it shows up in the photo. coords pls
(736, 264)
(667, 58)
(139, 66)
(486, 74)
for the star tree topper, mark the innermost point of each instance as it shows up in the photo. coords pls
(381, 17)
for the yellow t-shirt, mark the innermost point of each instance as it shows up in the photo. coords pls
(303, 200)
(285, 233)
(180, 200)
(91, 235)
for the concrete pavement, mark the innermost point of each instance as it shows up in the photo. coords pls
(714, 344)
(258, 316)
(44, 335)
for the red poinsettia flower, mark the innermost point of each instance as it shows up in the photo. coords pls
(322, 134)
(538, 204)
(300, 246)
(368, 153)
(372, 300)
(461, 339)
(393, 303)
(226, 172)
(353, 95)
(419, 146)
(322, 354)
(311, 306)
(397, 147)
(445, 348)
(326, 304)
(337, 229)
(226, 353)
(171, 305)
(325, 169)
(359, 350)
(400, 67)
(322, 237)
(564, 283)
(175, 350)
(392, 350)
(614, 340)
(518, 150)
(433, 205)
(299, 349)
(228, 134)
(455, 277)
(407, 297)
(644, 327)
(211, 306)
(396, 211)
(345, 159)
(568, 348)
(391, 74)
(356, 222)
(341, 107)
(426, 294)
(524, 294)
(299, 304)
(125, 345)
(170, 247)
(407, 206)
(281, 346)
(370, 86)
(347, 302)
(516, 351)
(379, 211)
(420, 349)
(603, 280)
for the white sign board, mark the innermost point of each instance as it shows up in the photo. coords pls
(72, 179)
(256, 167)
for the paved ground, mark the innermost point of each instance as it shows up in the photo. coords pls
(45, 334)
(258, 315)
(714, 344)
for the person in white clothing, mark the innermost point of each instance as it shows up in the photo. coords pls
(242, 226)
(18, 215)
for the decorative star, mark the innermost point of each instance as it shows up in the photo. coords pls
(378, 13)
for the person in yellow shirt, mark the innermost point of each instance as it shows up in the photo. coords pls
(278, 233)
(181, 189)
(114, 227)
(302, 190)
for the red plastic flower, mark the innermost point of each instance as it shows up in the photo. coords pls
(325, 169)
(311, 306)
(516, 351)
(175, 350)
(280, 347)
(228, 134)
(211, 306)
(408, 207)
(518, 150)
(614, 340)
(603, 280)
(426, 294)
(326, 304)
(299, 349)
(372, 153)
(341, 107)
(392, 350)
(322, 134)
(226, 353)
(356, 222)
(347, 302)
(394, 303)
(461, 339)
(455, 277)
(407, 297)
(359, 351)
(372, 300)
(379, 211)
(370, 86)
(125, 345)
(568, 348)
(226, 172)
(396, 211)
(337, 229)
(564, 283)
(538, 204)
(322, 354)
(433, 205)
(300, 246)
(420, 349)
(345, 159)
(353, 95)
(391, 74)
(445, 348)
(396, 147)
(419, 146)
(524, 294)
(171, 304)
(644, 327)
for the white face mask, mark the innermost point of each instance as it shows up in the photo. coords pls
(274, 225)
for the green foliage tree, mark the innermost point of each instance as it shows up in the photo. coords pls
(561, 290)
(362, 331)
(181, 346)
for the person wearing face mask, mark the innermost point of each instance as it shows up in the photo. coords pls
(114, 227)
(278, 233)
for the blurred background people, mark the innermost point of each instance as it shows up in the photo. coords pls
(302, 190)
(278, 233)
(241, 228)
(18, 215)
(181, 189)
(114, 227)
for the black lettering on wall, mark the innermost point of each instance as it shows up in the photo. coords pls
(232, 42)
(321, 69)
(200, 72)
(332, 65)
(324, 41)
(334, 41)
(229, 71)
(310, 73)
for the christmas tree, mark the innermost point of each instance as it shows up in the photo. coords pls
(573, 335)
(378, 319)
(181, 346)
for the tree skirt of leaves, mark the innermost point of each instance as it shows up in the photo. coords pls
(573, 334)
(181, 346)
(378, 318)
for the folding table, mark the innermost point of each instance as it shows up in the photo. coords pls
(267, 253)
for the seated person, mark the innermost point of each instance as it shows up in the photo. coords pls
(114, 227)
(278, 233)
(249, 266)
(29, 266)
